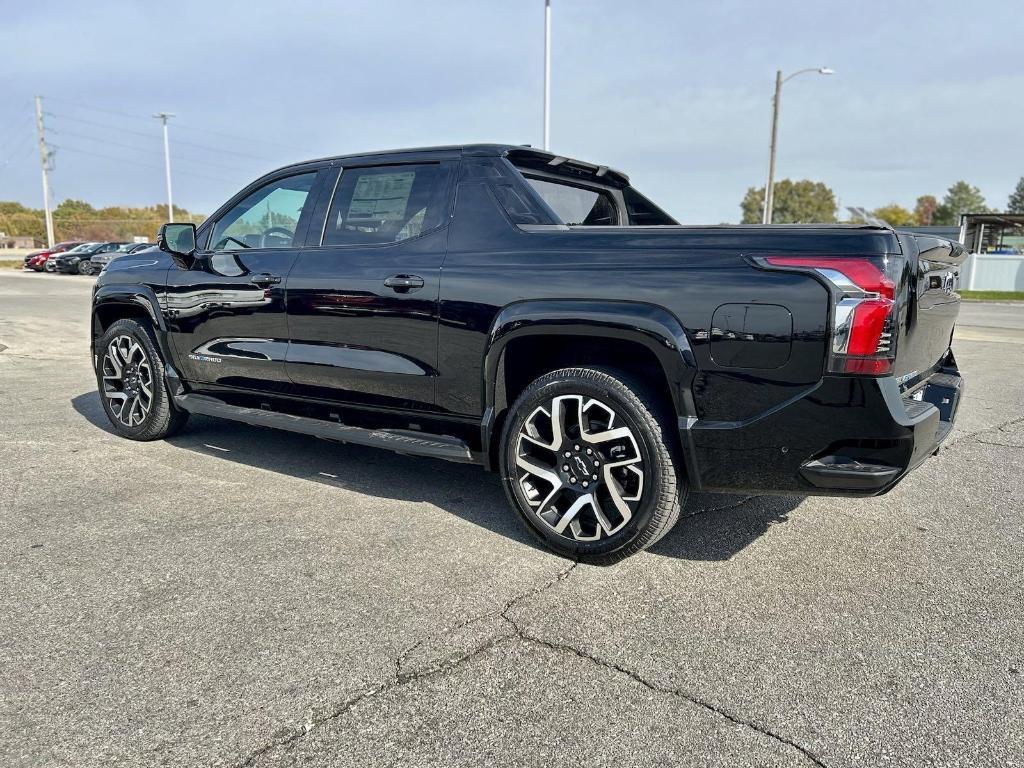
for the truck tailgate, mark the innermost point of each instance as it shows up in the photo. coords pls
(933, 304)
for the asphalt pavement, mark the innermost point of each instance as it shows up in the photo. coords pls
(238, 596)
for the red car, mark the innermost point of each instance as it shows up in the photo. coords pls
(37, 260)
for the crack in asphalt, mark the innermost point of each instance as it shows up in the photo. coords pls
(678, 693)
(399, 662)
(1002, 445)
(976, 436)
(402, 678)
(723, 508)
(293, 735)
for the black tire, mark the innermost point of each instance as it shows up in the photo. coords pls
(161, 419)
(622, 403)
(86, 267)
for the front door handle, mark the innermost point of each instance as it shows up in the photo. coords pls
(404, 283)
(264, 279)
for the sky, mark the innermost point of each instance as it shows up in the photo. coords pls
(676, 94)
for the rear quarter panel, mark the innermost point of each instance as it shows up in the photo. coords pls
(690, 271)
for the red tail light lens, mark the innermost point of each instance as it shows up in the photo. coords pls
(863, 322)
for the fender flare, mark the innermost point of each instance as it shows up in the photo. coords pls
(652, 326)
(137, 295)
(134, 295)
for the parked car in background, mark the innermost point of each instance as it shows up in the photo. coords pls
(100, 260)
(37, 259)
(50, 263)
(78, 259)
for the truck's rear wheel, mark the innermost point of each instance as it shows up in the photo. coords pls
(588, 464)
(131, 384)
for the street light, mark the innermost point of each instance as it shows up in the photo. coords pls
(769, 189)
(547, 75)
(164, 117)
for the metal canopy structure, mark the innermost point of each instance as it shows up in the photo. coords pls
(978, 231)
(991, 266)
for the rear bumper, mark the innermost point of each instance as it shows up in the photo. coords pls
(845, 436)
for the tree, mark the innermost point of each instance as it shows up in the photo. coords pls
(77, 220)
(1016, 202)
(796, 202)
(894, 215)
(960, 198)
(924, 210)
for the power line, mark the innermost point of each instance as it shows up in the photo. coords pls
(108, 126)
(186, 126)
(268, 142)
(136, 148)
(91, 108)
(127, 161)
(20, 148)
(177, 142)
(15, 132)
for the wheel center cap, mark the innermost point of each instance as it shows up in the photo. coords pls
(581, 464)
(580, 467)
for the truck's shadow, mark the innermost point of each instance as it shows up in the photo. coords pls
(714, 527)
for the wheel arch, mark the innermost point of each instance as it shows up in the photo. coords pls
(112, 303)
(530, 338)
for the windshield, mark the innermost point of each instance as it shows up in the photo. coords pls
(83, 247)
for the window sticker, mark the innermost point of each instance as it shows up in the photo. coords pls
(380, 197)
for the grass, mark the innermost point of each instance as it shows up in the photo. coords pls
(993, 295)
(11, 263)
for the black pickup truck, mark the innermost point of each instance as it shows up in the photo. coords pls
(539, 316)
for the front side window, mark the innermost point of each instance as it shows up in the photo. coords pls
(386, 204)
(267, 218)
(576, 205)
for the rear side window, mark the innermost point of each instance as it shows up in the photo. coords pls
(577, 205)
(641, 212)
(386, 204)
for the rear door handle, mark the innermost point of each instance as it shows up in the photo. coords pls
(404, 283)
(264, 279)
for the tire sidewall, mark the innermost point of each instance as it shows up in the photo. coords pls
(138, 332)
(564, 385)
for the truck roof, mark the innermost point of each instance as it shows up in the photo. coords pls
(487, 150)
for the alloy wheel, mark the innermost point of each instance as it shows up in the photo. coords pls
(579, 467)
(127, 381)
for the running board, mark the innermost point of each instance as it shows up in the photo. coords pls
(399, 440)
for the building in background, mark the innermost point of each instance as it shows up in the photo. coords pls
(19, 241)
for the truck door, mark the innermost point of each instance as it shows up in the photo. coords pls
(363, 298)
(226, 314)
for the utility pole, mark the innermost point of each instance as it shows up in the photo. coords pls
(44, 159)
(547, 75)
(769, 189)
(164, 117)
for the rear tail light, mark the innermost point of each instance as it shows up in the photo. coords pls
(863, 317)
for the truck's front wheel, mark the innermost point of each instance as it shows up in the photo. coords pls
(587, 461)
(131, 383)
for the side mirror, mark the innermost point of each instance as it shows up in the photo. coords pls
(177, 239)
